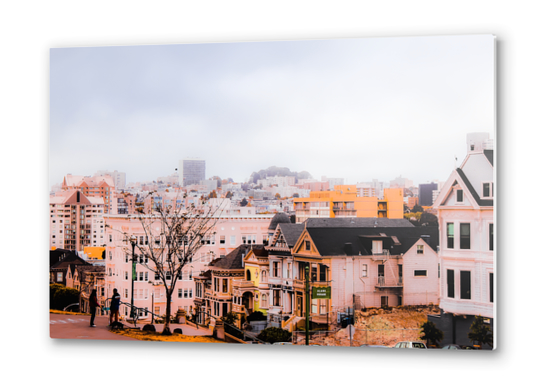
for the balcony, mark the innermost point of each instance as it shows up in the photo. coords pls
(389, 282)
(242, 283)
(381, 255)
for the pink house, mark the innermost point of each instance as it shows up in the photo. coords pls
(467, 229)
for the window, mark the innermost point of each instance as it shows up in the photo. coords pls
(59, 276)
(276, 272)
(125, 275)
(465, 284)
(248, 275)
(307, 245)
(420, 272)
(364, 270)
(222, 239)
(491, 287)
(276, 298)
(314, 306)
(487, 190)
(224, 285)
(323, 272)
(377, 247)
(383, 301)
(232, 240)
(180, 293)
(450, 282)
(450, 235)
(491, 236)
(459, 195)
(464, 229)
(264, 300)
(420, 250)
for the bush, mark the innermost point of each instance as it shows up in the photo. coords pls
(275, 335)
(431, 334)
(256, 316)
(61, 296)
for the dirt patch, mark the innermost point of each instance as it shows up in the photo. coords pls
(383, 327)
(175, 338)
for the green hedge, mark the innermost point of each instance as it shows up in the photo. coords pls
(60, 296)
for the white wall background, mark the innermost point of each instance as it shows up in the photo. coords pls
(29, 29)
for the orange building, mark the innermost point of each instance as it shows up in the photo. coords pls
(344, 201)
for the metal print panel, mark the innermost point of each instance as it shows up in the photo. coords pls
(322, 192)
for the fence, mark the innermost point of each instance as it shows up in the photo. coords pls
(339, 337)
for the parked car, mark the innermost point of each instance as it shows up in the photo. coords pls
(282, 343)
(374, 346)
(410, 344)
(457, 346)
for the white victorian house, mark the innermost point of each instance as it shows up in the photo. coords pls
(465, 207)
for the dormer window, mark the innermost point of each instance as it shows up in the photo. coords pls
(307, 245)
(459, 195)
(487, 190)
(377, 247)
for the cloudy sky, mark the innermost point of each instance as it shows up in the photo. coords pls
(360, 109)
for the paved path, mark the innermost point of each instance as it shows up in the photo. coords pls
(78, 327)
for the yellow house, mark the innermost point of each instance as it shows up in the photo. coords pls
(344, 201)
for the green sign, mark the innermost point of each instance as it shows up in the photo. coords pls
(134, 275)
(321, 292)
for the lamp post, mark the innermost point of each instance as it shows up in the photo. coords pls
(133, 241)
(307, 304)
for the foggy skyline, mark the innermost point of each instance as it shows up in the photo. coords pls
(358, 109)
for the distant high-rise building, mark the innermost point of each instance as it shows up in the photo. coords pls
(191, 171)
(119, 178)
(426, 194)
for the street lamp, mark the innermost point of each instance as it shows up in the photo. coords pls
(133, 241)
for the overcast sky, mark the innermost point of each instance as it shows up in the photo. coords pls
(360, 109)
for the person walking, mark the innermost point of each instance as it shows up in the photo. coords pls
(93, 304)
(115, 304)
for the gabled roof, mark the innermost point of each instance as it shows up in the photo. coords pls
(69, 258)
(291, 232)
(480, 202)
(358, 241)
(234, 259)
(489, 154)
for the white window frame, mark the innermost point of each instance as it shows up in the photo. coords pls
(491, 190)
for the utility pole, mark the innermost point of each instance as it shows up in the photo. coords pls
(307, 304)
(133, 241)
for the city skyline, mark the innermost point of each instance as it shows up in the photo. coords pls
(377, 108)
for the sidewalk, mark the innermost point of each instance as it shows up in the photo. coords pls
(78, 327)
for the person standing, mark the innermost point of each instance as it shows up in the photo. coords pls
(115, 304)
(93, 304)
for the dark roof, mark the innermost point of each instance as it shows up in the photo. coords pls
(482, 203)
(58, 254)
(358, 222)
(333, 241)
(280, 217)
(291, 232)
(65, 259)
(234, 259)
(489, 155)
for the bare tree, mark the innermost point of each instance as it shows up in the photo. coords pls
(173, 236)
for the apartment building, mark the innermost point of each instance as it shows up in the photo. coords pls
(76, 220)
(344, 201)
(96, 186)
(231, 230)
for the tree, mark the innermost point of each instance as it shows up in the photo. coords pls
(431, 334)
(175, 234)
(244, 202)
(230, 318)
(416, 208)
(480, 332)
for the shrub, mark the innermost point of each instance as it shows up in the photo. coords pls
(274, 335)
(61, 296)
(256, 316)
